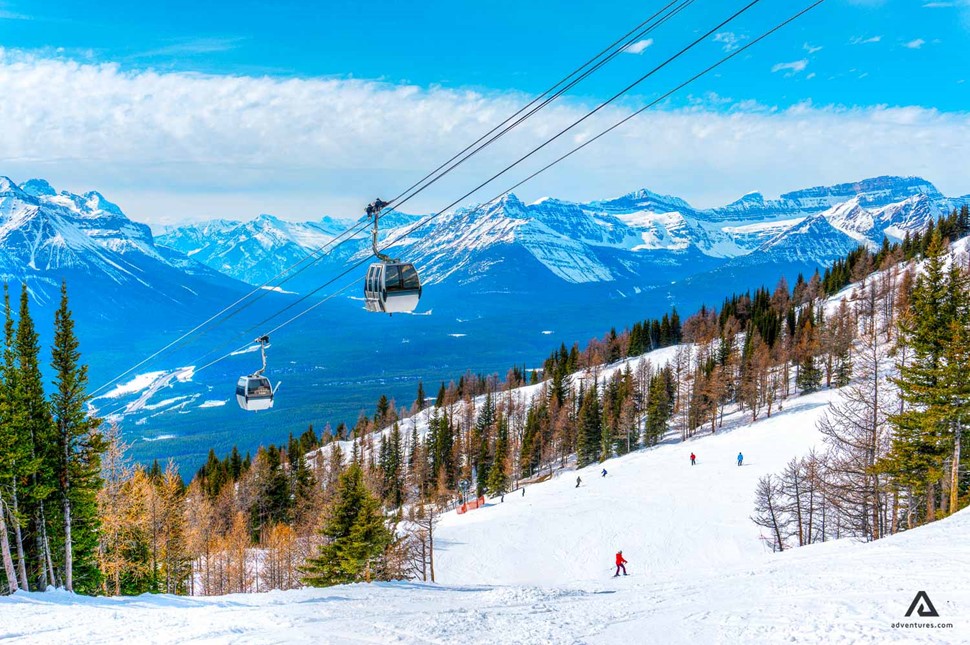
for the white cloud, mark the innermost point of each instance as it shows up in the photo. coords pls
(915, 44)
(729, 40)
(172, 147)
(12, 15)
(638, 47)
(192, 47)
(859, 40)
(792, 68)
(812, 49)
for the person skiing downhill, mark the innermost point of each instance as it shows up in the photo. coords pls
(692, 458)
(620, 561)
(740, 458)
(579, 481)
(604, 472)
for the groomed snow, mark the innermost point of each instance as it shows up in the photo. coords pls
(135, 385)
(699, 573)
(665, 515)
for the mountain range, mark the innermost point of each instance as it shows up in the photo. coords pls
(505, 284)
(637, 240)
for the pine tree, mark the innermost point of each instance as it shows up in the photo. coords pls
(924, 433)
(590, 428)
(37, 427)
(498, 479)
(481, 439)
(419, 399)
(78, 464)
(659, 408)
(357, 536)
(16, 462)
(530, 454)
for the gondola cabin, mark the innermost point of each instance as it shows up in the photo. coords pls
(254, 393)
(392, 288)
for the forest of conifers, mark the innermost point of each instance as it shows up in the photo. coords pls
(360, 503)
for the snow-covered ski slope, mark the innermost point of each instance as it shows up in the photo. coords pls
(665, 515)
(537, 569)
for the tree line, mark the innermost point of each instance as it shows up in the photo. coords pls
(893, 456)
(50, 459)
(360, 503)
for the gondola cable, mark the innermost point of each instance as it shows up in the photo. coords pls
(260, 291)
(426, 220)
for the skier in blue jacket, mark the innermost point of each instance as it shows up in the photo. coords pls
(740, 458)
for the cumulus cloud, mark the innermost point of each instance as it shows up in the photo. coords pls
(791, 68)
(639, 47)
(173, 146)
(915, 44)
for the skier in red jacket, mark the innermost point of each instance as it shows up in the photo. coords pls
(619, 563)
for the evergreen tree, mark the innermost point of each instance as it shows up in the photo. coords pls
(36, 426)
(498, 479)
(924, 429)
(590, 428)
(16, 463)
(659, 408)
(481, 438)
(383, 409)
(530, 454)
(357, 536)
(419, 399)
(78, 464)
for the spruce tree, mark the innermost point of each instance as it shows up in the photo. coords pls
(498, 480)
(36, 426)
(16, 462)
(530, 454)
(924, 434)
(481, 437)
(78, 464)
(419, 399)
(590, 428)
(659, 409)
(357, 536)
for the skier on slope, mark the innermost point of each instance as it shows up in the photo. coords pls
(604, 472)
(740, 458)
(579, 481)
(620, 561)
(692, 458)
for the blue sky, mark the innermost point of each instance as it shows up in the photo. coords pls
(898, 52)
(846, 63)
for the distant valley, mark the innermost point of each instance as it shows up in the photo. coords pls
(505, 285)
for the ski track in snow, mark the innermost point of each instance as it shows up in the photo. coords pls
(538, 569)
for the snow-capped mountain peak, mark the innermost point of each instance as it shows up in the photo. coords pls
(619, 239)
(38, 188)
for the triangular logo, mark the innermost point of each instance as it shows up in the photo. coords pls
(923, 606)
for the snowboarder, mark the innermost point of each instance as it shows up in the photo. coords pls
(740, 458)
(578, 481)
(620, 561)
(604, 472)
(692, 458)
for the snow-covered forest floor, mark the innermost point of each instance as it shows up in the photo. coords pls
(538, 568)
